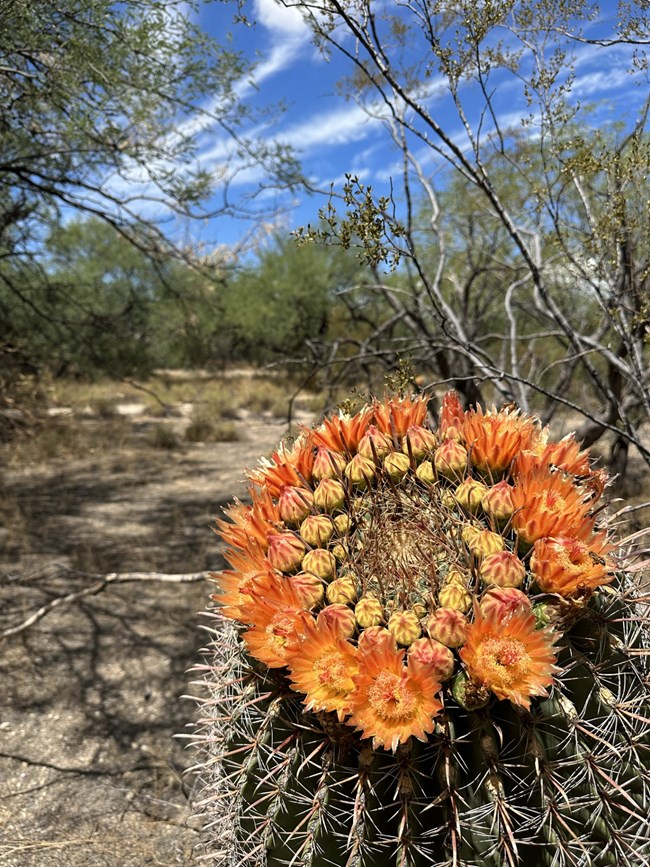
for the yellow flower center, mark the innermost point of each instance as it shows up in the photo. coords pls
(503, 661)
(574, 558)
(333, 673)
(390, 698)
(278, 632)
(551, 501)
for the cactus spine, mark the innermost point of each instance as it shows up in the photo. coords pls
(473, 689)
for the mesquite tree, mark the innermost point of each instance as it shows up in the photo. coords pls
(520, 238)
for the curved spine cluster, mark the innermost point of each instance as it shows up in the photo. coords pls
(434, 656)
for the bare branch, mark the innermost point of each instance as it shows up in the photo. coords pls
(100, 585)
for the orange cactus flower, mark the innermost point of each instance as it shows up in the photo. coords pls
(342, 433)
(549, 504)
(567, 566)
(237, 589)
(276, 637)
(250, 559)
(287, 466)
(564, 455)
(510, 656)
(246, 524)
(392, 702)
(278, 620)
(324, 669)
(397, 414)
(493, 439)
(452, 417)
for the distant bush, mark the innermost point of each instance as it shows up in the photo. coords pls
(162, 436)
(207, 430)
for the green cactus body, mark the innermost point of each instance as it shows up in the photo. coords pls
(535, 753)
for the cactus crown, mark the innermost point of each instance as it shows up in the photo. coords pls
(435, 656)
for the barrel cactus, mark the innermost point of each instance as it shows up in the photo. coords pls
(427, 650)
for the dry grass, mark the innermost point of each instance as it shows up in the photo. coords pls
(222, 395)
(62, 439)
(206, 429)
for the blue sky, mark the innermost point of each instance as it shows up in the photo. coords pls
(332, 135)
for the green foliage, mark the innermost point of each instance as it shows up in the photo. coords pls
(98, 304)
(283, 300)
(369, 225)
(101, 104)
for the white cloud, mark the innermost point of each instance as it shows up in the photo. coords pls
(281, 20)
(600, 82)
(337, 127)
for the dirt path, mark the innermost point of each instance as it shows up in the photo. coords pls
(91, 696)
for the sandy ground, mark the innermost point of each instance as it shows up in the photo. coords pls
(91, 696)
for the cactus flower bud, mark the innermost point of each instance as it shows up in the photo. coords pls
(420, 610)
(343, 524)
(469, 494)
(497, 502)
(448, 500)
(340, 552)
(455, 596)
(368, 612)
(376, 637)
(405, 626)
(397, 465)
(419, 442)
(342, 590)
(501, 602)
(469, 534)
(285, 551)
(486, 542)
(294, 504)
(426, 473)
(454, 576)
(448, 626)
(340, 618)
(317, 530)
(360, 471)
(503, 568)
(320, 562)
(450, 459)
(433, 654)
(309, 588)
(328, 464)
(329, 495)
(374, 444)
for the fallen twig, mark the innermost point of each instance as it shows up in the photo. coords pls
(97, 587)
